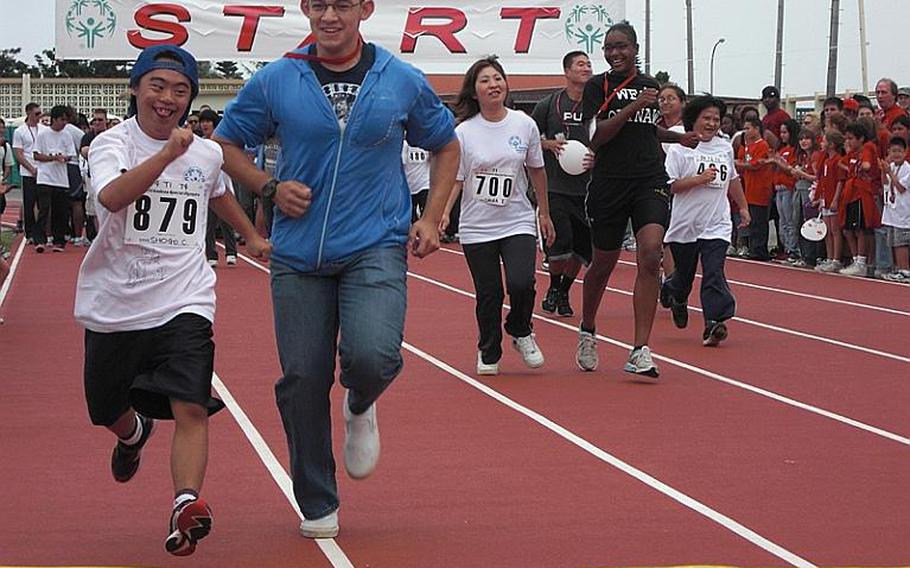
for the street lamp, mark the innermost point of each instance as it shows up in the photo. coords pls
(713, 49)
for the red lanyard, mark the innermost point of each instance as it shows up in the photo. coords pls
(620, 87)
(562, 115)
(327, 60)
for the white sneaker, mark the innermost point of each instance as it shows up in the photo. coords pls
(530, 352)
(486, 368)
(326, 527)
(361, 444)
(831, 266)
(858, 268)
(230, 259)
(586, 355)
(213, 262)
(641, 364)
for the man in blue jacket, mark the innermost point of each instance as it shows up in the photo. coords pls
(340, 109)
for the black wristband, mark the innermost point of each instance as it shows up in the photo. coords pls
(269, 189)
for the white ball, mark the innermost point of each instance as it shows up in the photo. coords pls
(572, 158)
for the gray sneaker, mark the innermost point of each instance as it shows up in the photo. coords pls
(641, 364)
(586, 355)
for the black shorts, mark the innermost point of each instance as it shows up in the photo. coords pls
(145, 369)
(573, 235)
(854, 220)
(76, 186)
(615, 201)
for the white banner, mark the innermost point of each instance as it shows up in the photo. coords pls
(442, 38)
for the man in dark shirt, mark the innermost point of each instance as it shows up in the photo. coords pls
(559, 118)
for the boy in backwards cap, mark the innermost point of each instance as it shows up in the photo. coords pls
(145, 293)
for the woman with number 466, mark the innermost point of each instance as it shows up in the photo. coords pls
(701, 179)
(500, 151)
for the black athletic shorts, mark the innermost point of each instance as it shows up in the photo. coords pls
(613, 202)
(854, 220)
(76, 186)
(573, 235)
(145, 369)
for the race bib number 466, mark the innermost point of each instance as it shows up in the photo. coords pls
(169, 214)
(493, 187)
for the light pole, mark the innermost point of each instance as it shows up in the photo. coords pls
(714, 49)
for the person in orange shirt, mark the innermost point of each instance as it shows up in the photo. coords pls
(827, 196)
(784, 189)
(859, 214)
(754, 164)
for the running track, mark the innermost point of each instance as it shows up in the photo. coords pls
(789, 445)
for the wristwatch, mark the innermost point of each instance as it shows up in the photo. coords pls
(269, 189)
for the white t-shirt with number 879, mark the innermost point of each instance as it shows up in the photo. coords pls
(494, 202)
(147, 264)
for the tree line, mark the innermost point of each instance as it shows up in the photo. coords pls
(48, 66)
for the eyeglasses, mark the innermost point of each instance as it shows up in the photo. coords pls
(318, 7)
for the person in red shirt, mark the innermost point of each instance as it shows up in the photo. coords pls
(860, 214)
(784, 189)
(753, 163)
(827, 196)
(776, 116)
(886, 92)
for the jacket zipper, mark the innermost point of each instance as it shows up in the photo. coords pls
(328, 207)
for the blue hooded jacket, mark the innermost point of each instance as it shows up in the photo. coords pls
(360, 194)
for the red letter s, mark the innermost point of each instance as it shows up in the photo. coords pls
(145, 18)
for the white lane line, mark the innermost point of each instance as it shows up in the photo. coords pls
(808, 296)
(328, 546)
(597, 452)
(704, 372)
(802, 334)
(652, 482)
(4, 290)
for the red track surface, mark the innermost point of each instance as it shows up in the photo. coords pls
(465, 480)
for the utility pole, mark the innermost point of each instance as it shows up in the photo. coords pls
(862, 46)
(831, 88)
(647, 37)
(779, 59)
(689, 51)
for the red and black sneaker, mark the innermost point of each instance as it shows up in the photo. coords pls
(191, 521)
(125, 459)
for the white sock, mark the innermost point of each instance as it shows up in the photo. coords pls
(184, 496)
(134, 438)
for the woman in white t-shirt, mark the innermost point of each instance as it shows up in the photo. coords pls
(417, 171)
(500, 150)
(701, 179)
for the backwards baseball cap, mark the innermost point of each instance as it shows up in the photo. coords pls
(165, 57)
(851, 104)
(770, 92)
(903, 92)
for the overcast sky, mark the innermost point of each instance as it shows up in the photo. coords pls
(743, 64)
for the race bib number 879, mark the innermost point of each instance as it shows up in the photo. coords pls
(167, 215)
(493, 186)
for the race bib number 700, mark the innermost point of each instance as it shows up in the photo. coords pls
(493, 186)
(167, 215)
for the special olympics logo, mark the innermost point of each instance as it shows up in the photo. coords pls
(90, 20)
(194, 174)
(587, 26)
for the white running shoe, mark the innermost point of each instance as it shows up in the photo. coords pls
(486, 368)
(586, 355)
(213, 262)
(361, 444)
(530, 352)
(641, 364)
(858, 268)
(230, 259)
(831, 266)
(326, 527)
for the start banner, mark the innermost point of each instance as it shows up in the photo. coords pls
(444, 37)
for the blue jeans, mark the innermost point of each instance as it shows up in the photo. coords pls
(357, 308)
(787, 212)
(884, 262)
